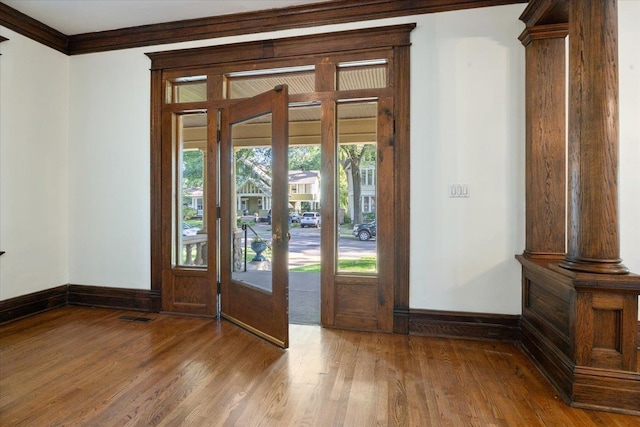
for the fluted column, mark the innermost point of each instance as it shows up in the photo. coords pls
(593, 243)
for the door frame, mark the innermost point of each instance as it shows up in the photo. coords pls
(391, 42)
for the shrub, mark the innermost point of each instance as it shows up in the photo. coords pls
(188, 212)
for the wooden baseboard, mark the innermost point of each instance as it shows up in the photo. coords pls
(93, 296)
(617, 391)
(478, 326)
(401, 320)
(37, 302)
(120, 298)
(420, 322)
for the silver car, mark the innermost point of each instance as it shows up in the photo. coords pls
(310, 219)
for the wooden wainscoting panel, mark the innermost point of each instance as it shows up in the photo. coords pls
(189, 292)
(547, 301)
(482, 326)
(552, 362)
(356, 303)
(602, 341)
(27, 305)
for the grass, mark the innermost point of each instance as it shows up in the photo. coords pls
(362, 265)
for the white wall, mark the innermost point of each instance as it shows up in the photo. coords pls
(467, 126)
(109, 243)
(629, 172)
(34, 93)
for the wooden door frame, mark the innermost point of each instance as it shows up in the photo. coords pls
(392, 43)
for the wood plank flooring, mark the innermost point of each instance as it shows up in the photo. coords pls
(82, 366)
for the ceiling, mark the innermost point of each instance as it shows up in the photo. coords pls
(72, 17)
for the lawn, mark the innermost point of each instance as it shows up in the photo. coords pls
(362, 265)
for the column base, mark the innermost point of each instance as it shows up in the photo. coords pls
(614, 267)
(581, 330)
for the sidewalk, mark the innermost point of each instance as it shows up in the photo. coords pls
(304, 291)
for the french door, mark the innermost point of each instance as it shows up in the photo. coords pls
(256, 298)
(348, 95)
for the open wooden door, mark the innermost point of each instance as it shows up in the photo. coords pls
(254, 150)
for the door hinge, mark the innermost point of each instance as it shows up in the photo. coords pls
(218, 135)
(218, 212)
(219, 286)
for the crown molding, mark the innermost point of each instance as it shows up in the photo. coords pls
(546, 12)
(304, 16)
(35, 30)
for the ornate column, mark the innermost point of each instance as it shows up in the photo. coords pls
(545, 140)
(593, 243)
(579, 319)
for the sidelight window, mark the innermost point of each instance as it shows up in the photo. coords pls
(190, 237)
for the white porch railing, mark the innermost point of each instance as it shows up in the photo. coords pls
(195, 249)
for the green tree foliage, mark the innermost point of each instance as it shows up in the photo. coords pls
(192, 174)
(254, 163)
(305, 158)
(353, 158)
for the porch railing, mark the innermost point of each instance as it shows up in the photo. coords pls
(195, 248)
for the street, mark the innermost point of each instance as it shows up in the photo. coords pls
(304, 246)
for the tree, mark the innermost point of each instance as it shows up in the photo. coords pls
(192, 172)
(255, 163)
(305, 158)
(351, 159)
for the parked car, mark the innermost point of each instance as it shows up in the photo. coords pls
(310, 219)
(188, 229)
(365, 231)
(293, 217)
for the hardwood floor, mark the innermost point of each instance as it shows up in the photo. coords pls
(84, 366)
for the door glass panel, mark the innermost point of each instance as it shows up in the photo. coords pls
(190, 191)
(357, 188)
(251, 201)
(246, 85)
